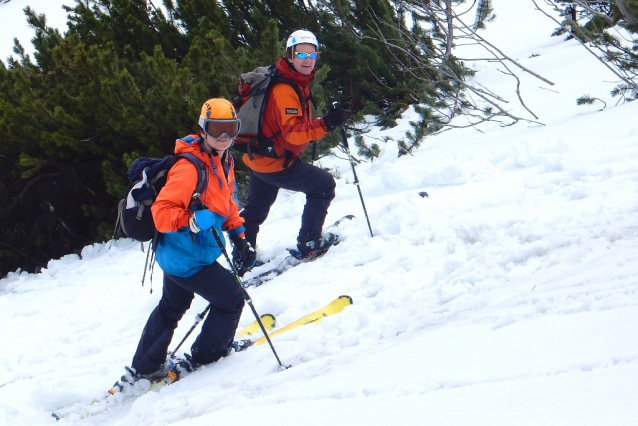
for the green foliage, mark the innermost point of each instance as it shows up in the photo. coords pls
(585, 100)
(588, 100)
(420, 129)
(484, 13)
(368, 152)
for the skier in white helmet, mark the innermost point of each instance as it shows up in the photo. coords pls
(288, 122)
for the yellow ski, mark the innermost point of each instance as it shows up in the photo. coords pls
(268, 321)
(334, 307)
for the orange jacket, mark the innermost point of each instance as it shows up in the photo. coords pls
(177, 252)
(284, 114)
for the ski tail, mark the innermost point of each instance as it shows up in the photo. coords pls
(338, 222)
(267, 319)
(332, 308)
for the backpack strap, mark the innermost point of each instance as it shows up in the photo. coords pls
(279, 78)
(202, 173)
(302, 100)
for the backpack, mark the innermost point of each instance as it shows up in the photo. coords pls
(148, 177)
(254, 88)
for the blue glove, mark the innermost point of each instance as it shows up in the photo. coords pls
(201, 220)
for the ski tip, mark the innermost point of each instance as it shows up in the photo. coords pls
(272, 317)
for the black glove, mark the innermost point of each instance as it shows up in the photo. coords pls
(335, 117)
(244, 255)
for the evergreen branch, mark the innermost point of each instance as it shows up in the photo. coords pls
(63, 223)
(28, 186)
(17, 250)
(355, 159)
(332, 154)
(588, 100)
(375, 77)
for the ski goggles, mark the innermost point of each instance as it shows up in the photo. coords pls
(304, 55)
(217, 128)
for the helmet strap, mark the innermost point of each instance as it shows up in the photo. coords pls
(205, 146)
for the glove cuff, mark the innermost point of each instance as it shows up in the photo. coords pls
(192, 223)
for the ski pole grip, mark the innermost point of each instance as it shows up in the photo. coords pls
(198, 201)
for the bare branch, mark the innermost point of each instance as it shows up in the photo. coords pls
(527, 70)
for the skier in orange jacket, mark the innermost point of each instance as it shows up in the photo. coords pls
(292, 128)
(187, 251)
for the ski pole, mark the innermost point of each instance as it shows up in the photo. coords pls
(356, 179)
(198, 318)
(246, 296)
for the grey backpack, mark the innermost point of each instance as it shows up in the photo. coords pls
(254, 88)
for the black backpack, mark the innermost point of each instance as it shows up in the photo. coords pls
(148, 177)
(254, 88)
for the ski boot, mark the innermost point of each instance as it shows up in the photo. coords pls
(131, 377)
(311, 249)
(239, 345)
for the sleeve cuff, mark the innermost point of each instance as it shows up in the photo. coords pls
(237, 232)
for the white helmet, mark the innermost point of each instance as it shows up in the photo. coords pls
(301, 37)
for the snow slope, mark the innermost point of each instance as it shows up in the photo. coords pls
(509, 296)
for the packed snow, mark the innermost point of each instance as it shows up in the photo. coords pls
(507, 297)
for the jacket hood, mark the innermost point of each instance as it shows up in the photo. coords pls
(284, 67)
(189, 143)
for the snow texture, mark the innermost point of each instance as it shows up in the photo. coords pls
(508, 297)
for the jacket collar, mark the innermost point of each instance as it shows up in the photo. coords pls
(284, 67)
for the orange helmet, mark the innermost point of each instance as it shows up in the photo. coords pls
(218, 116)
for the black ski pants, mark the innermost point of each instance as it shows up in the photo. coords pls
(215, 284)
(316, 183)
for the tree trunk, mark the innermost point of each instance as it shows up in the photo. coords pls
(450, 28)
(629, 18)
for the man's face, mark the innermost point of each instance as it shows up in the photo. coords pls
(303, 66)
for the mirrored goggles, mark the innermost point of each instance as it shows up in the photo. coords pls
(217, 128)
(304, 55)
